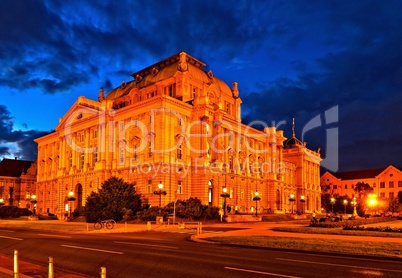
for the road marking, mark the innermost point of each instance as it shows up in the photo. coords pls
(54, 236)
(7, 231)
(14, 238)
(341, 265)
(259, 272)
(92, 249)
(150, 245)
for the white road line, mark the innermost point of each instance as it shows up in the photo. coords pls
(259, 272)
(93, 249)
(341, 265)
(149, 245)
(54, 236)
(14, 238)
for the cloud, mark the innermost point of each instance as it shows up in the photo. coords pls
(16, 142)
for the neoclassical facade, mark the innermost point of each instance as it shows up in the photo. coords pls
(180, 126)
(17, 182)
(386, 182)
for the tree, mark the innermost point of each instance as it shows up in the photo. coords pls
(363, 189)
(113, 200)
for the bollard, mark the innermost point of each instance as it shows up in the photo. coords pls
(87, 227)
(103, 272)
(200, 227)
(15, 264)
(50, 271)
(148, 225)
(125, 226)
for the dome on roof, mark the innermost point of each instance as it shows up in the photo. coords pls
(293, 142)
(223, 87)
(122, 90)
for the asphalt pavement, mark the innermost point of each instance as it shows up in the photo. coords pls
(27, 269)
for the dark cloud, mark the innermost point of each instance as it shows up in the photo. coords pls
(21, 140)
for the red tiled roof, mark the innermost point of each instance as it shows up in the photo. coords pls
(361, 174)
(14, 167)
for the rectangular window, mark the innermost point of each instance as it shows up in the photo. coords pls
(346, 186)
(27, 195)
(391, 195)
(150, 149)
(382, 184)
(335, 186)
(121, 155)
(171, 90)
(382, 194)
(95, 134)
(82, 157)
(94, 156)
(391, 184)
(231, 193)
(149, 187)
(179, 187)
(179, 151)
(228, 108)
(242, 194)
(399, 183)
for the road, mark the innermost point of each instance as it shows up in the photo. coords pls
(170, 254)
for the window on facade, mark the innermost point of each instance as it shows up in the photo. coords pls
(149, 186)
(391, 195)
(335, 186)
(150, 149)
(82, 159)
(179, 151)
(399, 183)
(94, 156)
(171, 90)
(121, 155)
(27, 195)
(382, 184)
(231, 191)
(179, 121)
(228, 108)
(382, 194)
(179, 187)
(242, 194)
(346, 186)
(391, 184)
(95, 134)
(70, 160)
(135, 153)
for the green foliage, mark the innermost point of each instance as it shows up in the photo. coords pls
(112, 201)
(148, 213)
(362, 189)
(13, 212)
(193, 209)
(393, 205)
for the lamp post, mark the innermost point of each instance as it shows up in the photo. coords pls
(70, 199)
(292, 199)
(332, 203)
(225, 195)
(354, 203)
(302, 201)
(160, 192)
(345, 203)
(256, 199)
(33, 201)
(1, 202)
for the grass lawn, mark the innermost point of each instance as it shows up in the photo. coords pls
(382, 249)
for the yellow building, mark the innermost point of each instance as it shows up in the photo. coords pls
(17, 182)
(177, 125)
(386, 182)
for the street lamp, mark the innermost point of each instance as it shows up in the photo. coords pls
(160, 192)
(292, 199)
(354, 203)
(302, 201)
(1, 202)
(70, 199)
(345, 203)
(372, 200)
(225, 195)
(332, 203)
(256, 199)
(33, 201)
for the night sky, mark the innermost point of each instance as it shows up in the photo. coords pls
(292, 59)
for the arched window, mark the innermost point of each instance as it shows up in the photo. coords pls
(210, 187)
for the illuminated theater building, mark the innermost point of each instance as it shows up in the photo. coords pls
(177, 125)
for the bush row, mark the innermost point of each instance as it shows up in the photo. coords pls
(13, 212)
(351, 222)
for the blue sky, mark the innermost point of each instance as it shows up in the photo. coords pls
(291, 59)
